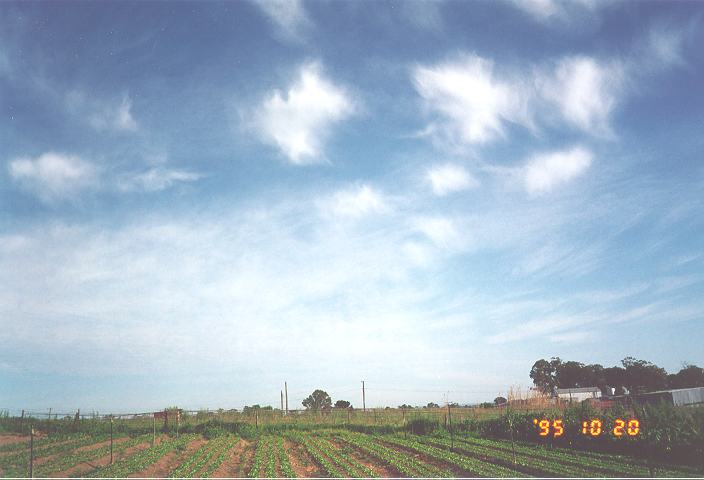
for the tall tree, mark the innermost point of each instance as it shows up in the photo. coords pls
(318, 400)
(544, 374)
(689, 376)
(615, 377)
(643, 376)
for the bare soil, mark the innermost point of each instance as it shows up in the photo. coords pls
(301, 463)
(5, 439)
(162, 467)
(231, 465)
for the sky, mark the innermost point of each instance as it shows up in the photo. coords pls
(201, 201)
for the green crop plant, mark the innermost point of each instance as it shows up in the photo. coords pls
(135, 463)
(16, 464)
(271, 461)
(407, 465)
(70, 460)
(258, 460)
(329, 468)
(474, 466)
(286, 469)
(351, 466)
(222, 455)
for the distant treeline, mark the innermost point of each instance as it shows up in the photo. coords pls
(637, 376)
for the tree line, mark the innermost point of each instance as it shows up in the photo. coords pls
(635, 376)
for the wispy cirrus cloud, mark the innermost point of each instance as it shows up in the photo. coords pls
(156, 179)
(299, 121)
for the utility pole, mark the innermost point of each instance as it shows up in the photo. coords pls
(364, 399)
(282, 400)
(286, 393)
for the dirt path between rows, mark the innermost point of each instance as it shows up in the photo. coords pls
(162, 467)
(6, 439)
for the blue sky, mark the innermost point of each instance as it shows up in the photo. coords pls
(199, 201)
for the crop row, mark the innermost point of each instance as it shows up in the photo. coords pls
(222, 455)
(17, 464)
(598, 463)
(262, 449)
(199, 459)
(405, 464)
(70, 460)
(476, 467)
(284, 463)
(343, 460)
(329, 468)
(531, 465)
(141, 460)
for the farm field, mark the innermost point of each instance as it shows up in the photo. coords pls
(336, 453)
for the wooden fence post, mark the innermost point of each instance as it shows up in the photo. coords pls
(111, 459)
(153, 430)
(31, 452)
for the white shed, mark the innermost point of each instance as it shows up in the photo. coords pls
(578, 394)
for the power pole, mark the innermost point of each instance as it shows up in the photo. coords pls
(364, 399)
(282, 400)
(286, 393)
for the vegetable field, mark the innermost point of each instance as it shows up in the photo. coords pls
(336, 453)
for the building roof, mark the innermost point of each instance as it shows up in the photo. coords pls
(671, 390)
(578, 390)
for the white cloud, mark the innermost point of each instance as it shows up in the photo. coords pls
(442, 231)
(546, 171)
(575, 337)
(540, 9)
(288, 15)
(552, 10)
(156, 179)
(101, 114)
(450, 178)
(123, 118)
(356, 202)
(584, 91)
(665, 46)
(53, 176)
(299, 121)
(472, 105)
